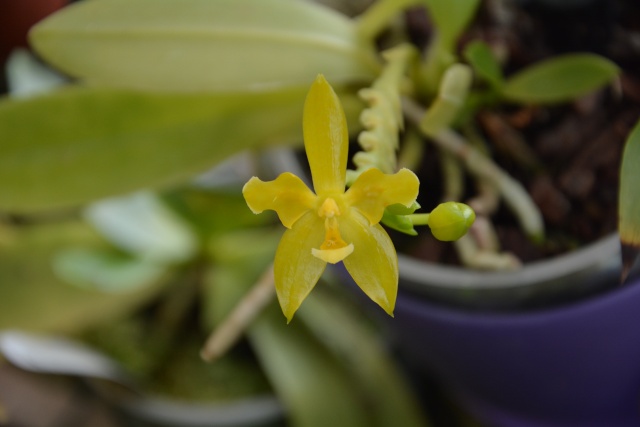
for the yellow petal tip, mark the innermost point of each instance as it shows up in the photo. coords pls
(320, 78)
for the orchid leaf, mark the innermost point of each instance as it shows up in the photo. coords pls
(142, 225)
(484, 63)
(451, 17)
(80, 144)
(203, 45)
(230, 208)
(560, 79)
(339, 326)
(629, 204)
(105, 270)
(33, 298)
(314, 387)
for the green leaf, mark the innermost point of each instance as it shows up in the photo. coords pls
(144, 226)
(239, 258)
(33, 298)
(212, 213)
(105, 270)
(485, 64)
(560, 79)
(451, 17)
(629, 203)
(81, 144)
(343, 330)
(203, 45)
(316, 389)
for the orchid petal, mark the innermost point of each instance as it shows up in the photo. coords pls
(373, 263)
(287, 195)
(296, 270)
(373, 191)
(326, 139)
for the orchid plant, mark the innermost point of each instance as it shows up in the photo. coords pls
(228, 75)
(157, 92)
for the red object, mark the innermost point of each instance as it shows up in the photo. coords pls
(17, 17)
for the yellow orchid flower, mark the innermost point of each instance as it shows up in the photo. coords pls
(332, 225)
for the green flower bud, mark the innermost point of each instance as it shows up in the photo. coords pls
(451, 220)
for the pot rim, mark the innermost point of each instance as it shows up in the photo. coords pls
(253, 410)
(593, 264)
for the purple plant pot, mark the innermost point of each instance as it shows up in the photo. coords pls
(572, 365)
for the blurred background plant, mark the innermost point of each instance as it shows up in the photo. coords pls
(114, 229)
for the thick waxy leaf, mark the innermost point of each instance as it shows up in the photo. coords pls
(484, 62)
(560, 79)
(32, 297)
(105, 270)
(314, 386)
(341, 328)
(80, 144)
(451, 17)
(629, 205)
(203, 45)
(143, 226)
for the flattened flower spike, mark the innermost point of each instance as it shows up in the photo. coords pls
(331, 225)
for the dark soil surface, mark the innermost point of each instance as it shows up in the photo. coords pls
(567, 156)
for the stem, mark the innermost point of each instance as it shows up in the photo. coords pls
(376, 18)
(412, 150)
(486, 202)
(419, 219)
(437, 59)
(453, 176)
(515, 196)
(471, 255)
(233, 326)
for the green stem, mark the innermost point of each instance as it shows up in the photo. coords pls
(513, 193)
(453, 176)
(419, 219)
(412, 150)
(431, 69)
(376, 18)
